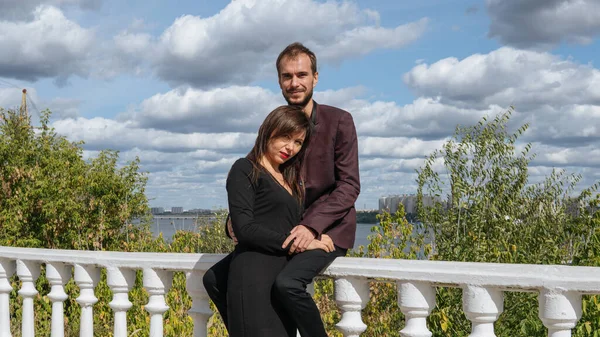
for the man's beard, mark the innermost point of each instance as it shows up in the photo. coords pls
(302, 103)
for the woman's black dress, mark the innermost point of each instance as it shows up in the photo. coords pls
(262, 212)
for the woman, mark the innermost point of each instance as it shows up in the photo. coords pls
(265, 195)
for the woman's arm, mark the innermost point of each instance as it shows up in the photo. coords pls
(241, 194)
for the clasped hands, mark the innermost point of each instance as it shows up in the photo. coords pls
(301, 237)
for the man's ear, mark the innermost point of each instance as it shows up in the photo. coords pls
(316, 79)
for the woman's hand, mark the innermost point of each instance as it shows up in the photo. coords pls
(327, 241)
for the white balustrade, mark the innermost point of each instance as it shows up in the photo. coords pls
(86, 277)
(416, 300)
(28, 272)
(7, 269)
(559, 311)
(58, 274)
(157, 283)
(482, 306)
(120, 281)
(200, 310)
(560, 288)
(351, 295)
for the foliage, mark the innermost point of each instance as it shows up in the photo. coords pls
(51, 197)
(493, 213)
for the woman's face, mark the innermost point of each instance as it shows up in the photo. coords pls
(282, 149)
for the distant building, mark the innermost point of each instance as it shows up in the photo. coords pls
(200, 211)
(390, 203)
(157, 210)
(176, 210)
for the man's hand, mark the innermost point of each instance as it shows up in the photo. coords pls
(230, 231)
(301, 236)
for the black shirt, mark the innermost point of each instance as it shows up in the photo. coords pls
(262, 212)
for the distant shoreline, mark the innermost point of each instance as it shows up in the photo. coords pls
(364, 217)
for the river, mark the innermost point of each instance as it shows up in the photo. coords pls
(168, 226)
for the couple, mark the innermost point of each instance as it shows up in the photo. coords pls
(291, 202)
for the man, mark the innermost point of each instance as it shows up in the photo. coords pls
(332, 186)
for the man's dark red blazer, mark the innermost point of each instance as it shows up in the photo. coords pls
(331, 176)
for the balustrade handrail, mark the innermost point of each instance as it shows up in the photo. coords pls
(506, 276)
(134, 260)
(560, 288)
(444, 273)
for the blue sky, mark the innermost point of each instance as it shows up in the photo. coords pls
(184, 85)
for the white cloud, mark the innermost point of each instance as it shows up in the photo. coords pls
(101, 133)
(22, 9)
(559, 156)
(363, 40)
(191, 179)
(230, 109)
(132, 43)
(426, 118)
(507, 76)
(62, 108)
(241, 42)
(397, 147)
(543, 23)
(243, 108)
(49, 46)
(235, 46)
(559, 97)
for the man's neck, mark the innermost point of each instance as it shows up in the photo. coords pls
(308, 108)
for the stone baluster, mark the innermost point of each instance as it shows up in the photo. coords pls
(416, 300)
(57, 274)
(120, 281)
(157, 283)
(7, 269)
(482, 306)
(28, 272)
(86, 277)
(559, 311)
(351, 295)
(200, 310)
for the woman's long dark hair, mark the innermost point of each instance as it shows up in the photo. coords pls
(284, 120)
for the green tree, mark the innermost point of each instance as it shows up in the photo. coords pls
(51, 197)
(494, 213)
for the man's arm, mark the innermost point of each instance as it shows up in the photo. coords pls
(330, 208)
(229, 230)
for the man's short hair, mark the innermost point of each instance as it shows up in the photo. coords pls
(293, 50)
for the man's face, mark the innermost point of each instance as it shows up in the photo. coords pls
(297, 80)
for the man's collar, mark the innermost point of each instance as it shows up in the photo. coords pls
(313, 114)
